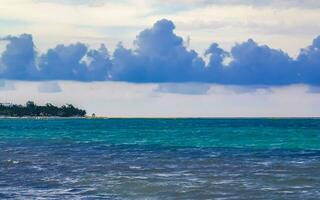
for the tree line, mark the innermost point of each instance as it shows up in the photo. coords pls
(33, 110)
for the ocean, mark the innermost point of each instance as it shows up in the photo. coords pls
(160, 159)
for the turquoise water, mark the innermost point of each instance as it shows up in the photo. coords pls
(160, 158)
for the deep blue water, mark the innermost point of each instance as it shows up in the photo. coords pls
(160, 159)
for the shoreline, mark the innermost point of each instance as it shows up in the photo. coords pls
(41, 117)
(138, 117)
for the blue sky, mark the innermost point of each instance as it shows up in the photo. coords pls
(179, 48)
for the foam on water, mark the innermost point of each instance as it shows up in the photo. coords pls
(160, 159)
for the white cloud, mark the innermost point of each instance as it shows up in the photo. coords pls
(285, 24)
(277, 3)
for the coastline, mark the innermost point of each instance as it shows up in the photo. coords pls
(54, 117)
(160, 117)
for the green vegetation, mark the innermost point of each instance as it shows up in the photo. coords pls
(33, 110)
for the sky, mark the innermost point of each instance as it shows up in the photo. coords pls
(174, 58)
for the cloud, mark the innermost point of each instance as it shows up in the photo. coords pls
(49, 87)
(99, 64)
(77, 2)
(186, 89)
(252, 64)
(278, 3)
(214, 72)
(308, 63)
(313, 89)
(74, 62)
(64, 62)
(257, 89)
(160, 56)
(18, 58)
(20, 61)
(290, 3)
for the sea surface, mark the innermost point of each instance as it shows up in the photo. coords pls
(160, 159)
